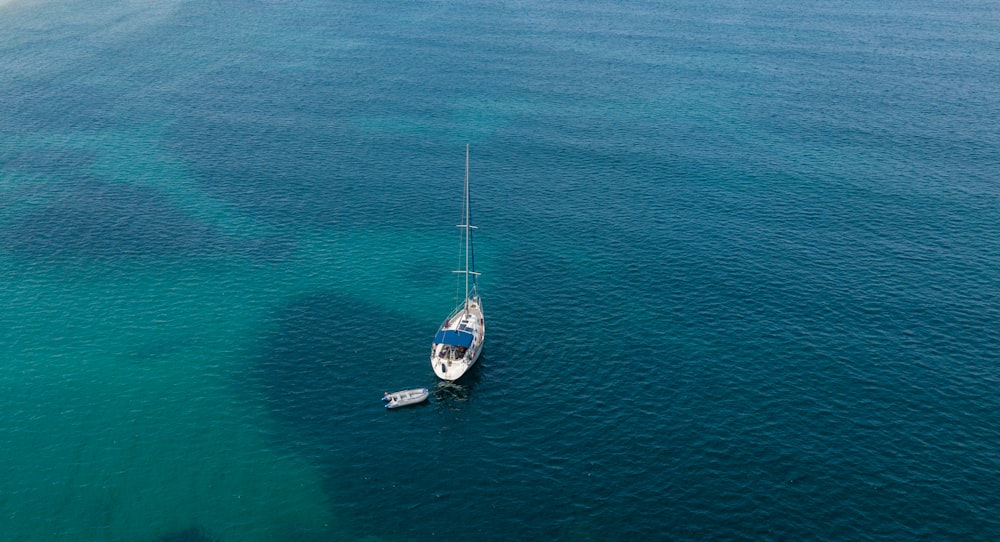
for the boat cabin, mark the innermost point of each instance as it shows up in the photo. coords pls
(451, 344)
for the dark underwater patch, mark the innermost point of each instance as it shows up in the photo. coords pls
(95, 219)
(46, 160)
(328, 357)
(321, 372)
(192, 534)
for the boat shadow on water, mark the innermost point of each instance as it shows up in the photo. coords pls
(453, 393)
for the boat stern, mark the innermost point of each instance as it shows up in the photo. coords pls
(449, 369)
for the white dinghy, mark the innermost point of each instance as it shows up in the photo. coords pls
(405, 397)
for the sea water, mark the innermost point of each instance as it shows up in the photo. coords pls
(740, 268)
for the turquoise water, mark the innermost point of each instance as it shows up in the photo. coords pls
(741, 268)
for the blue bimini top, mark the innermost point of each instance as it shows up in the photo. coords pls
(453, 338)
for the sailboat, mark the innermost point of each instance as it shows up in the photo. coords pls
(459, 341)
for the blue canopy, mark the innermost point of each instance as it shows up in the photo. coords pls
(453, 338)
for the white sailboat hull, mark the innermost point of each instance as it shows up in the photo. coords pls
(459, 342)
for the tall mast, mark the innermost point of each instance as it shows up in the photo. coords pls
(468, 232)
(467, 227)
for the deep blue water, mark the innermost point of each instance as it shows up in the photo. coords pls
(741, 270)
